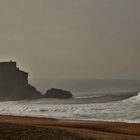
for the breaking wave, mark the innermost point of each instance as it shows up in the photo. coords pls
(126, 110)
(135, 98)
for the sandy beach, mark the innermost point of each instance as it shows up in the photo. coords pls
(30, 128)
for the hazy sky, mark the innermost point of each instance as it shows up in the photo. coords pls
(72, 38)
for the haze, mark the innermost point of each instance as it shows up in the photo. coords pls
(72, 38)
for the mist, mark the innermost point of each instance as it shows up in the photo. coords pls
(72, 39)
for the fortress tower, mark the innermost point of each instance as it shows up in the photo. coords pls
(14, 83)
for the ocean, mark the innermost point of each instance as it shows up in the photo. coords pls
(96, 100)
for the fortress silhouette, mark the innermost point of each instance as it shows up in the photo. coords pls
(14, 85)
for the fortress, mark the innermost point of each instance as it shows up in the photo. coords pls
(9, 70)
(14, 83)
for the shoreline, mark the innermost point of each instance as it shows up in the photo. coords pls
(78, 127)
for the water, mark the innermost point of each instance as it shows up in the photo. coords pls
(124, 111)
(93, 100)
(87, 87)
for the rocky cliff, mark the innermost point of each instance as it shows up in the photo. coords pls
(14, 83)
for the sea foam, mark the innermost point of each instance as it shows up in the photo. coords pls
(123, 111)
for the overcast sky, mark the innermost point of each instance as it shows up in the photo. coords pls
(72, 38)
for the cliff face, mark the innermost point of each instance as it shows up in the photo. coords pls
(14, 83)
(58, 93)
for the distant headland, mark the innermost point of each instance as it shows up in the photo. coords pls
(14, 84)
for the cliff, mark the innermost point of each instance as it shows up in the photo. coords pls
(14, 83)
(58, 93)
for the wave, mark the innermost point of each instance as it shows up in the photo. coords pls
(135, 98)
(103, 98)
(88, 97)
(126, 110)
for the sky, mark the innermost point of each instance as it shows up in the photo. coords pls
(72, 38)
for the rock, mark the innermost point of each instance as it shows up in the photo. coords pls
(58, 93)
(14, 83)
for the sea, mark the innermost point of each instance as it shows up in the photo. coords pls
(93, 99)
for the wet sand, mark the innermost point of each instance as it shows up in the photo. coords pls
(31, 128)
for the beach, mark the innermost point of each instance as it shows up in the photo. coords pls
(32, 128)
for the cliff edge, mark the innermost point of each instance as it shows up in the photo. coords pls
(14, 83)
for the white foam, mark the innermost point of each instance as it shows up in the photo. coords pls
(122, 111)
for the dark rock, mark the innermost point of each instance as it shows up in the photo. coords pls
(14, 83)
(58, 93)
